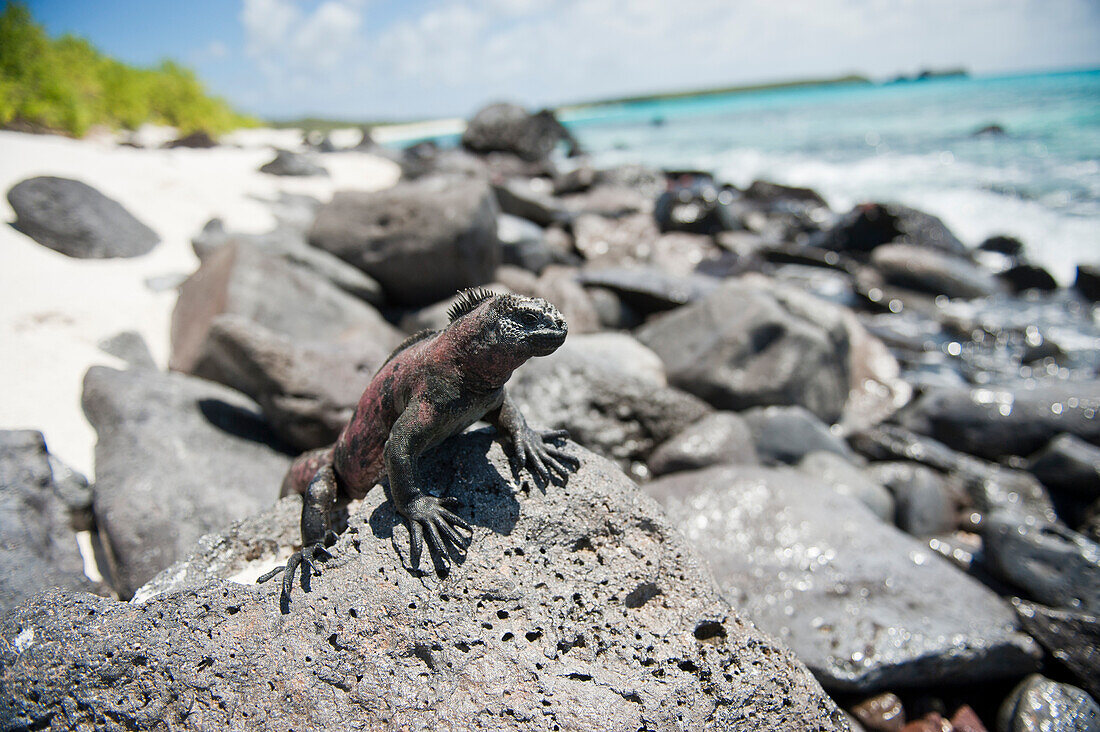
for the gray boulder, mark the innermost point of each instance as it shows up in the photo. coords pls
(241, 280)
(77, 220)
(998, 421)
(924, 505)
(1041, 704)
(131, 347)
(865, 606)
(1056, 566)
(289, 244)
(422, 240)
(523, 244)
(509, 128)
(750, 343)
(934, 272)
(607, 404)
(307, 393)
(787, 434)
(607, 241)
(577, 608)
(716, 439)
(845, 478)
(529, 200)
(291, 163)
(177, 457)
(1069, 464)
(39, 548)
(649, 289)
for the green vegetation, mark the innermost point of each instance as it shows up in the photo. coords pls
(851, 79)
(66, 85)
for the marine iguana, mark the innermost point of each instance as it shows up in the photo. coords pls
(434, 385)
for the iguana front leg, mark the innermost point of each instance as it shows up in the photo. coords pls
(317, 534)
(427, 516)
(530, 449)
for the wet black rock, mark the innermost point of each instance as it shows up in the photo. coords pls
(177, 457)
(607, 405)
(719, 438)
(1087, 281)
(776, 194)
(288, 242)
(77, 220)
(1041, 704)
(422, 241)
(997, 421)
(1069, 464)
(529, 200)
(865, 606)
(925, 505)
(1010, 246)
(240, 279)
(751, 343)
(1071, 636)
(845, 478)
(1055, 565)
(199, 140)
(993, 130)
(580, 607)
(648, 289)
(509, 128)
(927, 270)
(787, 434)
(292, 163)
(39, 548)
(131, 348)
(697, 206)
(1023, 277)
(989, 487)
(871, 224)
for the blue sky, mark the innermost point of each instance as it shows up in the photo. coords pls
(372, 59)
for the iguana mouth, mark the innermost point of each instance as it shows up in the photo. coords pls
(547, 340)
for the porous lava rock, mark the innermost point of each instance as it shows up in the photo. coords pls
(577, 608)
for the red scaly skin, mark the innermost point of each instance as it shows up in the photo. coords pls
(435, 385)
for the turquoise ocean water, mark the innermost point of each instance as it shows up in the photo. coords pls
(911, 142)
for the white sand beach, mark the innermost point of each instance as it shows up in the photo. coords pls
(55, 309)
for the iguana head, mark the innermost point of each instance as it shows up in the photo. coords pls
(507, 328)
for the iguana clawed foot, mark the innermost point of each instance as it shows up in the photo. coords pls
(307, 557)
(532, 450)
(431, 518)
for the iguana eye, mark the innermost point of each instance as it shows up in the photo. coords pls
(528, 318)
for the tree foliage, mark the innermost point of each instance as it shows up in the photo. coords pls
(67, 85)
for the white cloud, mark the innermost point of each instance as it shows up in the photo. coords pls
(450, 56)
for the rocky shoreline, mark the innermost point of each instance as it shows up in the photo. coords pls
(872, 442)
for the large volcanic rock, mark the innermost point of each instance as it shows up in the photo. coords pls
(75, 219)
(750, 343)
(177, 457)
(509, 128)
(997, 421)
(865, 606)
(872, 224)
(577, 608)
(39, 548)
(422, 240)
(240, 279)
(608, 404)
